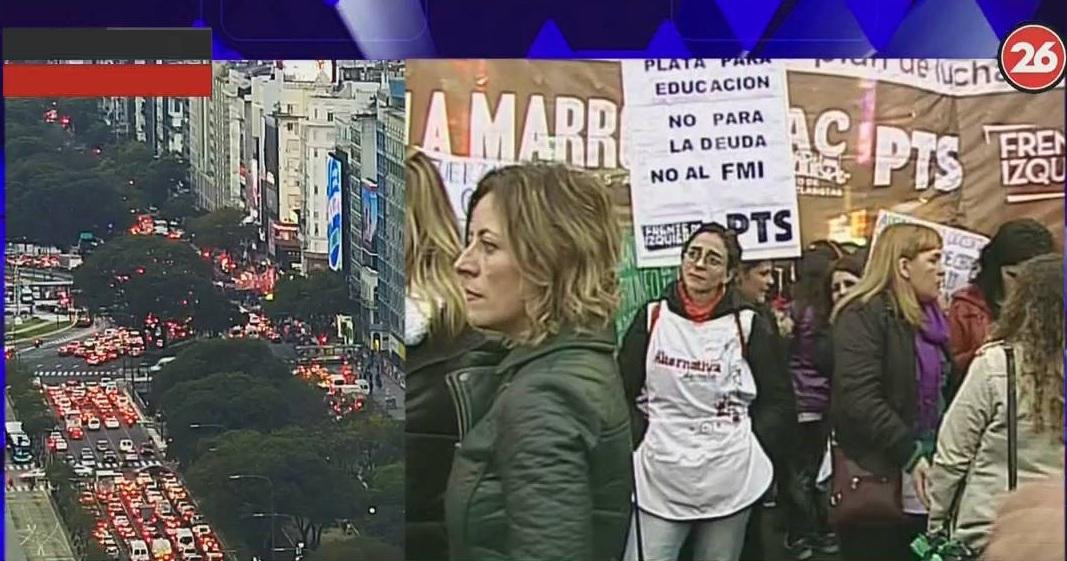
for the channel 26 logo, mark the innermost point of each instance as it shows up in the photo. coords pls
(1031, 58)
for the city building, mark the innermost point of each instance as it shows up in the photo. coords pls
(392, 147)
(116, 113)
(215, 125)
(373, 143)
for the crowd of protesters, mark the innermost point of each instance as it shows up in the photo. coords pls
(865, 405)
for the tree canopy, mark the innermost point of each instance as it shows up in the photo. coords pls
(316, 298)
(77, 175)
(306, 488)
(134, 276)
(221, 229)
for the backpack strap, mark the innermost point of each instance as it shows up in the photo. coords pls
(741, 334)
(653, 315)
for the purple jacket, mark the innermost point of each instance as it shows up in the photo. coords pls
(810, 363)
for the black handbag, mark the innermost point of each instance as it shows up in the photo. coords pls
(940, 545)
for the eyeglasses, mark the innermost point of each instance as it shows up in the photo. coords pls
(707, 257)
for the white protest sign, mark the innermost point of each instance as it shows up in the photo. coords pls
(708, 140)
(461, 175)
(960, 249)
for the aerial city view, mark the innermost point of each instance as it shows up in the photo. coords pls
(202, 320)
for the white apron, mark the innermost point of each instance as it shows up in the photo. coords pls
(700, 457)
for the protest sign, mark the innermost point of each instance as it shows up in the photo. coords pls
(960, 249)
(707, 140)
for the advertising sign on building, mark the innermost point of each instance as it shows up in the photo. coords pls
(370, 215)
(334, 247)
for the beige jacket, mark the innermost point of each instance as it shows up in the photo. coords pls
(972, 451)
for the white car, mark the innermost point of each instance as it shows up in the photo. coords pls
(82, 471)
(61, 444)
(111, 422)
(93, 424)
(126, 446)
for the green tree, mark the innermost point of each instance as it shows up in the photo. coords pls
(231, 401)
(305, 486)
(206, 357)
(179, 207)
(316, 298)
(359, 548)
(384, 517)
(221, 229)
(134, 276)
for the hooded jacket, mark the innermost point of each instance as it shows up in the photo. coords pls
(969, 319)
(773, 411)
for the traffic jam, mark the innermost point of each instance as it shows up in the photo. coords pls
(151, 515)
(142, 511)
(114, 343)
(346, 393)
(86, 409)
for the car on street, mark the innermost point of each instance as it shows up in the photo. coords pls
(93, 424)
(60, 444)
(126, 446)
(75, 433)
(111, 422)
(82, 471)
(102, 444)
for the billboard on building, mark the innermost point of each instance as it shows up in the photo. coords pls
(334, 247)
(370, 214)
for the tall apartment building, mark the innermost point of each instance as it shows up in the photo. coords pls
(215, 126)
(325, 110)
(117, 113)
(392, 146)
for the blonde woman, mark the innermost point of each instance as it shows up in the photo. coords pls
(891, 358)
(970, 470)
(544, 472)
(438, 341)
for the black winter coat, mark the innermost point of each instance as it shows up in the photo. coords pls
(874, 404)
(431, 434)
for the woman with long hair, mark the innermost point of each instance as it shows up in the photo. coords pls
(970, 470)
(712, 407)
(810, 366)
(978, 305)
(543, 471)
(438, 341)
(890, 361)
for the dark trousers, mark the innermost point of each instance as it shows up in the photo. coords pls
(881, 543)
(805, 504)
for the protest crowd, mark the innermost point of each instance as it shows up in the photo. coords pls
(897, 396)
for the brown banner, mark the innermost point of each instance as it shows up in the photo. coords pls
(859, 145)
(1014, 159)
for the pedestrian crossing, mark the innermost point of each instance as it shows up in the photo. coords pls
(24, 486)
(21, 467)
(75, 373)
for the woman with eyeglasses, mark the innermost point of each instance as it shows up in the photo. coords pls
(975, 307)
(712, 406)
